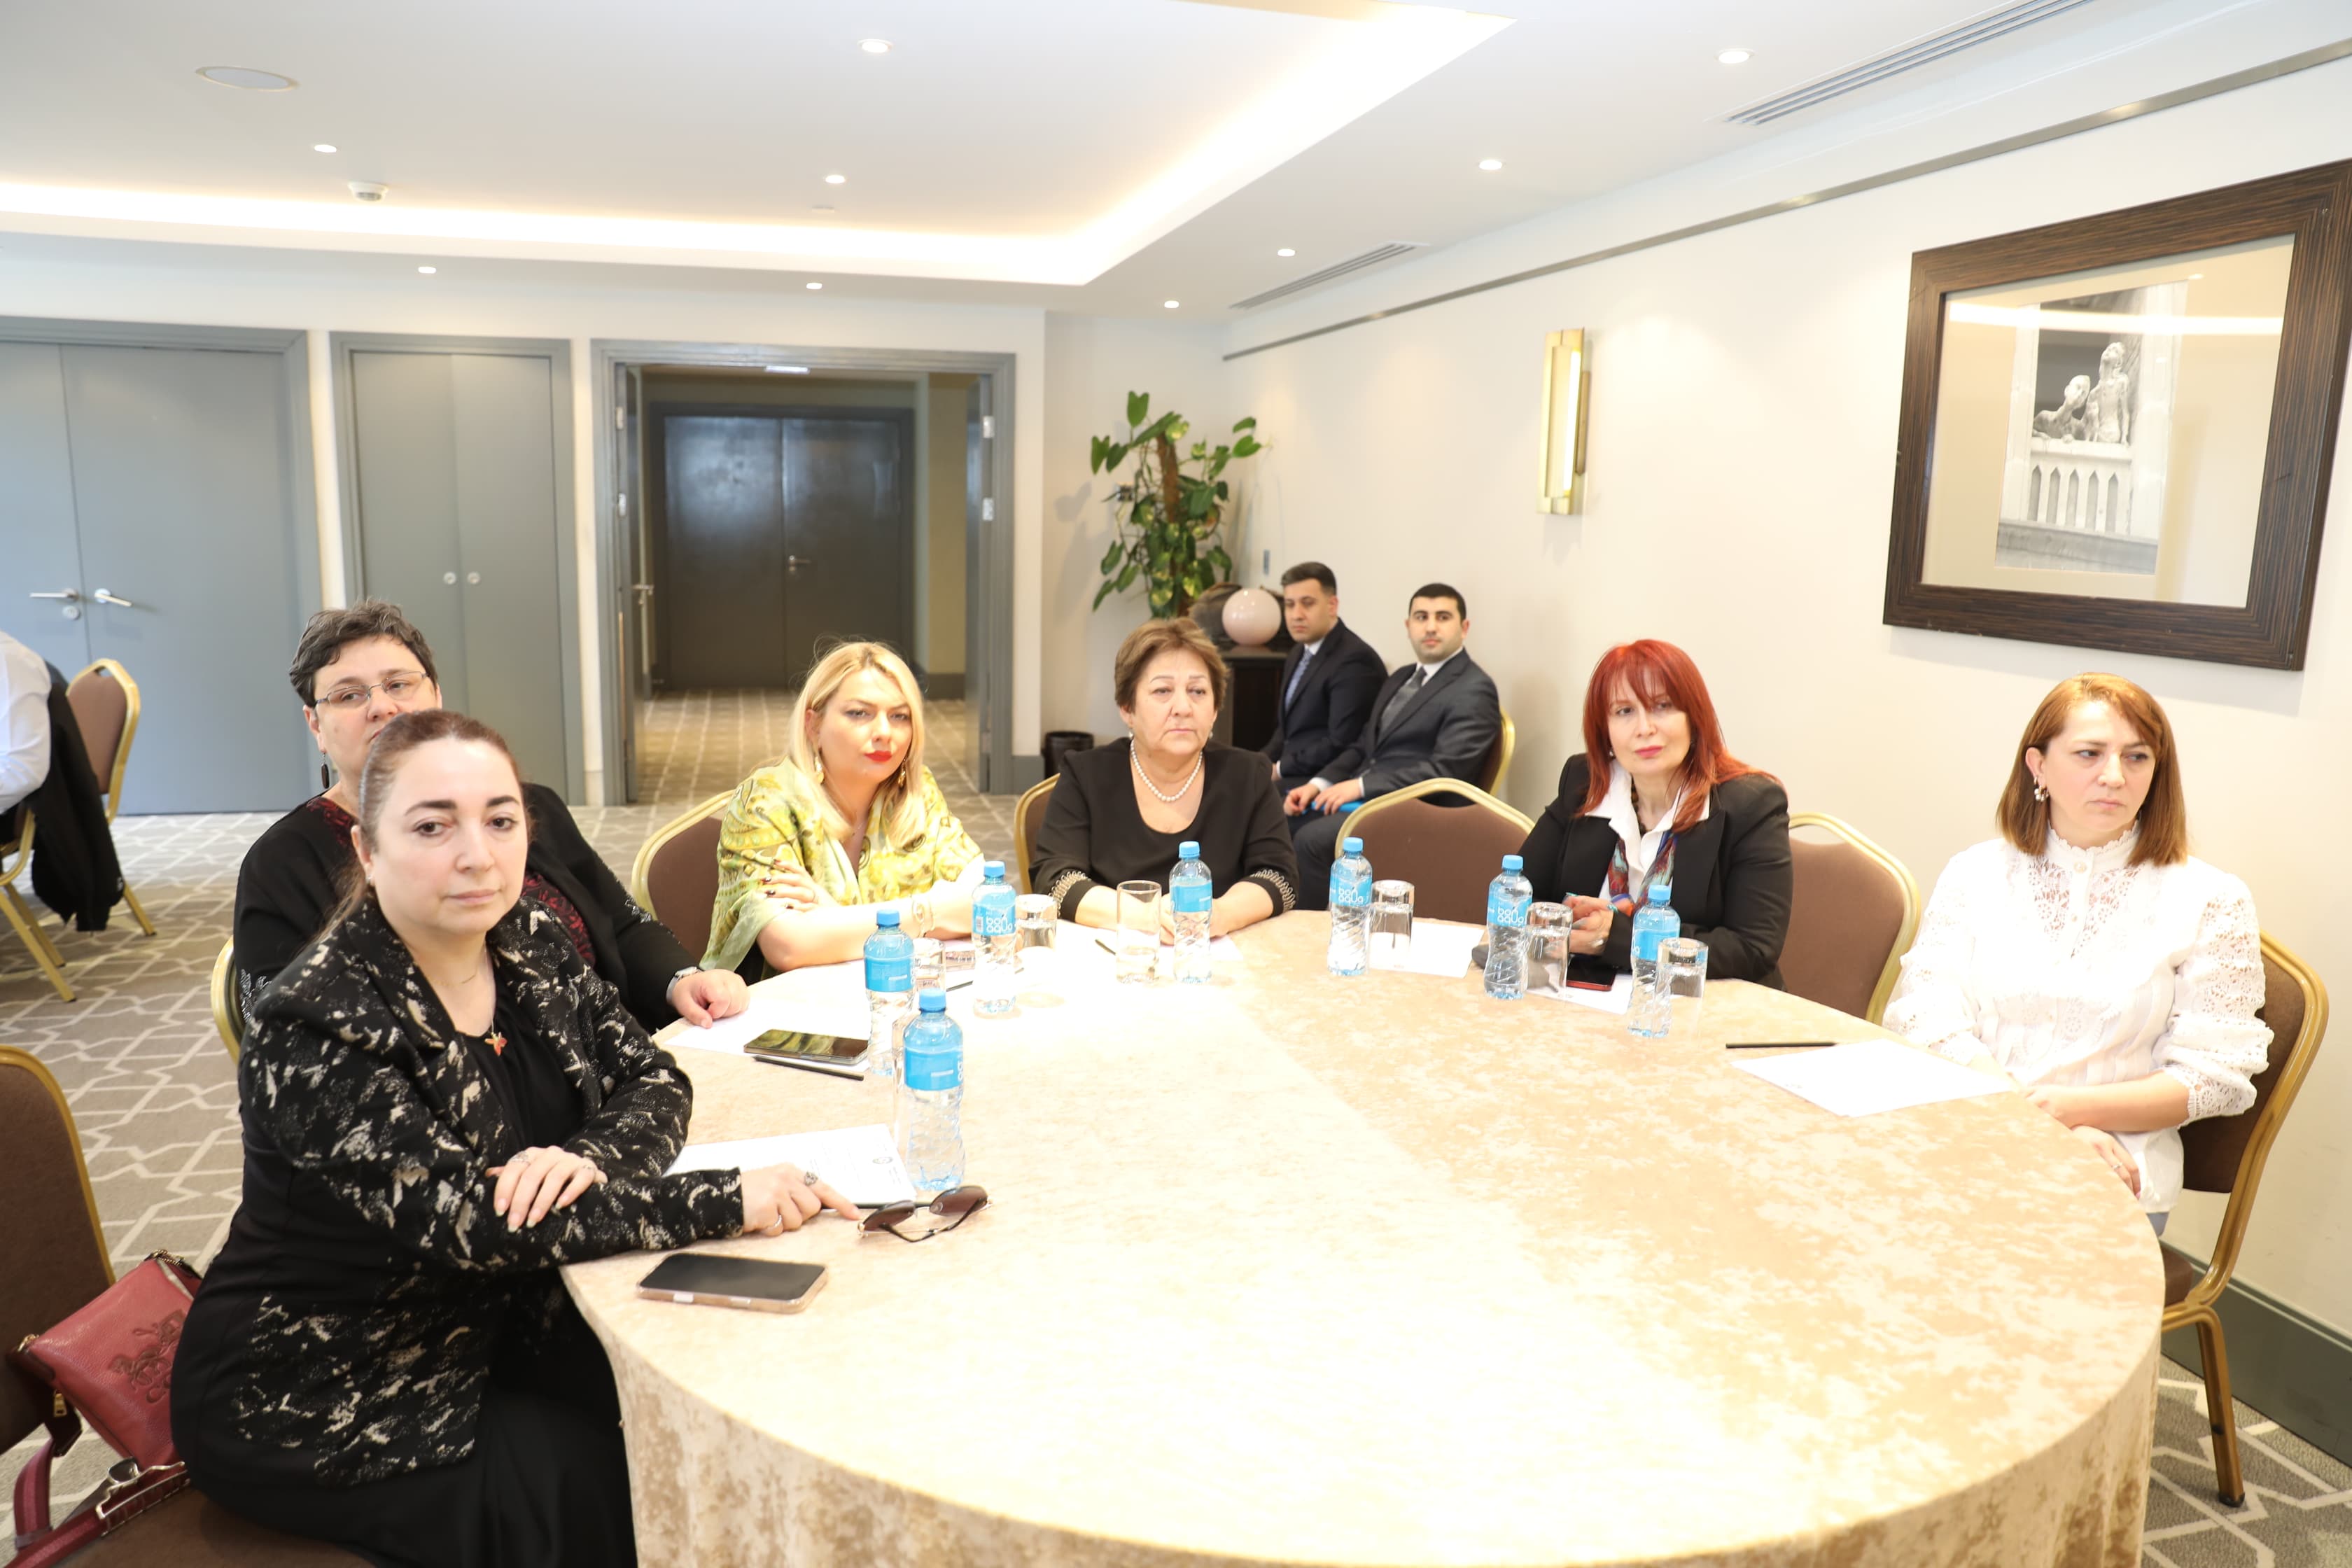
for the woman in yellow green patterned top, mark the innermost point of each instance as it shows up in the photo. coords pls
(849, 824)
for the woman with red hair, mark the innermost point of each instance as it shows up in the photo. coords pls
(1656, 797)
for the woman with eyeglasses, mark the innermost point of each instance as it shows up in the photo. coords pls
(356, 670)
(441, 1105)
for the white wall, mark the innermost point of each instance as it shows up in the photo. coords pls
(167, 286)
(1742, 444)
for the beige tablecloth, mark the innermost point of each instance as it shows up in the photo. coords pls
(1301, 1270)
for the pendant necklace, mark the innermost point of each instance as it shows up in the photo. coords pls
(1136, 757)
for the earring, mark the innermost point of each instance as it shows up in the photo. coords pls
(2039, 792)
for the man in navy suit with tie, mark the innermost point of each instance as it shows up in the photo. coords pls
(1328, 682)
(1436, 717)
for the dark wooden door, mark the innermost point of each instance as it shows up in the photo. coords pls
(846, 507)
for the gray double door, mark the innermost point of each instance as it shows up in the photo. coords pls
(455, 479)
(152, 510)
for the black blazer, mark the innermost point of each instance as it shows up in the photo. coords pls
(1334, 701)
(75, 871)
(1731, 873)
(1093, 835)
(292, 878)
(1445, 731)
(345, 1333)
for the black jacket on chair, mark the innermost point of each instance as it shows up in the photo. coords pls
(1731, 875)
(1446, 731)
(1334, 701)
(75, 871)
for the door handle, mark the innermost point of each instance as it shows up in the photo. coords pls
(795, 562)
(68, 595)
(103, 597)
(643, 591)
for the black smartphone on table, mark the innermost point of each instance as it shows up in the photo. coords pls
(1590, 972)
(711, 1279)
(839, 1055)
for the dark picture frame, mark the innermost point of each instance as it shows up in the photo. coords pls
(2311, 206)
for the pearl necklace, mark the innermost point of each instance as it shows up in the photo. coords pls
(1136, 757)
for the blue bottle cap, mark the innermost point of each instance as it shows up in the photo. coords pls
(1513, 863)
(932, 1000)
(1188, 850)
(1349, 807)
(993, 870)
(1351, 846)
(885, 919)
(1659, 891)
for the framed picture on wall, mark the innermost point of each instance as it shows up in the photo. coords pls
(2115, 432)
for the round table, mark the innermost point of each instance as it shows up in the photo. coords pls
(1295, 1270)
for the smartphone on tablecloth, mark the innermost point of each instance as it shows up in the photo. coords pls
(1589, 972)
(840, 1055)
(713, 1280)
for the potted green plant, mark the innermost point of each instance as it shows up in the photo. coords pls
(1167, 514)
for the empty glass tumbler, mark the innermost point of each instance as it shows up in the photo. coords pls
(1391, 926)
(1033, 935)
(1139, 931)
(1549, 926)
(1682, 976)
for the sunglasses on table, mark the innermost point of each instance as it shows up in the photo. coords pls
(955, 1206)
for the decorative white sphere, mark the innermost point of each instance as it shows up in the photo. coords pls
(1252, 616)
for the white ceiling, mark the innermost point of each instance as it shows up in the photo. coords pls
(1100, 156)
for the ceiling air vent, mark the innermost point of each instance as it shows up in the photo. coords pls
(1934, 47)
(1372, 257)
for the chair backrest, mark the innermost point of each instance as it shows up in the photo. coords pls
(105, 702)
(1028, 816)
(229, 1002)
(1853, 909)
(1498, 756)
(677, 873)
(1448, 852)
(17, 847)
(56, 1248)
(2226, 1154)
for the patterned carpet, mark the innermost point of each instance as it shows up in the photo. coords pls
(155, 1100)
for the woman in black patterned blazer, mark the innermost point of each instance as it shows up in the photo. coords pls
(442, 1103)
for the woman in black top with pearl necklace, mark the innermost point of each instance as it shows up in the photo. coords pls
(1119, 812)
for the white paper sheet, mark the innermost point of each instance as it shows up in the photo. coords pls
(861, 1163)
(1442, 948)
(1616, 999)
(829, 1000)
(1871, 1076)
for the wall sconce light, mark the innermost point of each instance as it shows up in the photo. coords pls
(1567, 391)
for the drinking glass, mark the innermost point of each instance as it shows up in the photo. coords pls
(1682, 975)
(1139, 931)
(1549, 926)
(1033, 933)
(1392, 929)
(931, 963)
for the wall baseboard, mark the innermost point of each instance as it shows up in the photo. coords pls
(2292, 1368)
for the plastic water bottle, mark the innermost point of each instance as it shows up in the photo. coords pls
(1190, 892)
(1507, 897)
(890, 995)
(1351, 908)
(993, 944)
(930, 1098)
(1655, 922)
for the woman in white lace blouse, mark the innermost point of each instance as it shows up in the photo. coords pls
(2084, 954)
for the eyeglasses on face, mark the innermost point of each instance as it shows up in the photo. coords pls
(405, 688)
(955, 1206)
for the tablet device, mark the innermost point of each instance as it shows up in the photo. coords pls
(711, 1280)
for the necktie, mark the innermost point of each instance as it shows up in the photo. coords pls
(1290, 692)
(1403, 695)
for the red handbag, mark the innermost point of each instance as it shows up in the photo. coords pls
(108, 1365)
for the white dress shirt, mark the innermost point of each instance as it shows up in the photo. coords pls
(1618, 810)
(2076, 967)
(23, 721)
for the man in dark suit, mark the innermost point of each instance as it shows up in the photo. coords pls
(1328, 682)
(1437, 717)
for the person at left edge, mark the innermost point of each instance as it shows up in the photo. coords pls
(356, 669)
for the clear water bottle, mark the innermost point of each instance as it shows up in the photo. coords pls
(890, 995)
(1351, 908)
(1189, 893)
(1507, 897)
(993, 942)
(1654, 922)
(930, 1098)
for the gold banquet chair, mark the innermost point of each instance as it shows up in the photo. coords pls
(1028, 819)
(1852, 910)
(105, 708)
(2225, 1154)
(675, 877)
(1449, 853)
(1498, 756)
(15, 853)
(228, 1003)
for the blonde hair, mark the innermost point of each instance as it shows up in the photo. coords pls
(896, 817)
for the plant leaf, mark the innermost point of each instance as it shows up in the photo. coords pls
(1103, 592)
(1248, 423)
(1125, 579)
(1138, 404)
(1110, 557)
(1248, 446)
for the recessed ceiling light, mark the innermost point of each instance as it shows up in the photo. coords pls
(429, 271)
(1170, 304)
(874, 46)
(836, 179)
(1285, 250)
(322, 147)
(246, 77)
(787, 369)
(1490, 164)
(1735, 57)
(813, 283)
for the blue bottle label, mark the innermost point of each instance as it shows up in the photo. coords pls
(1190, 896)
(1349, 887)
(1502, 910)
(897, 973)
(992, 915)
(930, 1068)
